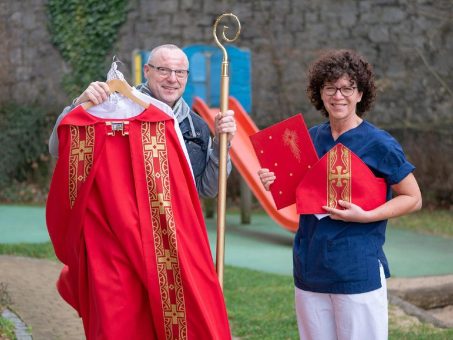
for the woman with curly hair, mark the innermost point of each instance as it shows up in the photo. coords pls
(340, 268)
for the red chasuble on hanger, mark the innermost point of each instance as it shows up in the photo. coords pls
(124, 217)
(339, 175)
(287, 150)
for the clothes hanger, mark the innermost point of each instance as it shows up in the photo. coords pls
(121, 86)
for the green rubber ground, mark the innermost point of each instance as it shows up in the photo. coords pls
(262, 245)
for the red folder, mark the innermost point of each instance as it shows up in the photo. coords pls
(286, 149)
(339, 175)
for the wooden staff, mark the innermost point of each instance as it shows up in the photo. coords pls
(223, 144)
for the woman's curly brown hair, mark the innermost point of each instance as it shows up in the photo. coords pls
(333, 65)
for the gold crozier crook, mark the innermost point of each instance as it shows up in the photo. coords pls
(221, 199)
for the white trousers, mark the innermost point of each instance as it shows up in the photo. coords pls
(343, 316)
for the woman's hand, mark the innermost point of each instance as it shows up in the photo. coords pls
(266, 177)
(407, 199)
(351, 212)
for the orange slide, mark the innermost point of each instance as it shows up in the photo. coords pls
(245, 161)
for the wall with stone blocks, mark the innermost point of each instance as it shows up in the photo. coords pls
(410, 42)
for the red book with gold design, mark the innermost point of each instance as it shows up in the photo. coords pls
(286, 149)
(339, 175)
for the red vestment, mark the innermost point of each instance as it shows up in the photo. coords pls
(124, 217)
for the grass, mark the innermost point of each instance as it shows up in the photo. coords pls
(421, 332)
(36, 250)
(438, 222)
(261, 305)
(6, 326)
(6, 329)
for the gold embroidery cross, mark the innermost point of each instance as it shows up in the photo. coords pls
(161, 203)
(167, 259)
(82, 150)
(154, 146)
(174, 314)
(339, 176)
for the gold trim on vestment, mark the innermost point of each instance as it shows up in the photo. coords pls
(164, 230)
(80, 158)
(339, 176)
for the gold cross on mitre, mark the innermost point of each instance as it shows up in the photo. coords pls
(339, 176)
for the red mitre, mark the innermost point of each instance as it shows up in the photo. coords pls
(286, 149)
(339, 175)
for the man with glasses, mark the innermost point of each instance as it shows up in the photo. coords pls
(167, 72)
(123, 211)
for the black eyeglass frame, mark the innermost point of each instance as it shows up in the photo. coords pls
(341, 89)
(166, 71)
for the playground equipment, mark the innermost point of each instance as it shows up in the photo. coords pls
(243, 158)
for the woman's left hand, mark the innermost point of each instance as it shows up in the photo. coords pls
(350, 213)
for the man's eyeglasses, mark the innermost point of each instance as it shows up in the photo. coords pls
(166, 72)
(345, 90)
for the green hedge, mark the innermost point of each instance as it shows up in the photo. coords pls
(84, 32)
(24, 151)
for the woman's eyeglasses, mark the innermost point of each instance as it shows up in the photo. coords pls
(344, 90)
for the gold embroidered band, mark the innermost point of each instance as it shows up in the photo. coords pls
(339, 176)
(80, 158)
(164, 230)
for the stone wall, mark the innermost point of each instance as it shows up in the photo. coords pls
(30, 67)
(410, 42)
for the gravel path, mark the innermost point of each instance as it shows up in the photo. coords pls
(31, 287)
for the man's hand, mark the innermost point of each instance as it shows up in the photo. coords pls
(266, 177)
(225, 124)
(97, 92)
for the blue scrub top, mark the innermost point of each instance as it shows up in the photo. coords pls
(339, 257)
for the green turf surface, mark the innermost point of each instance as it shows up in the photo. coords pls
(263, 245)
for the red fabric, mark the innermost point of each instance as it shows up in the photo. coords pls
(339, 175)
(286, 149)
(130, 232)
